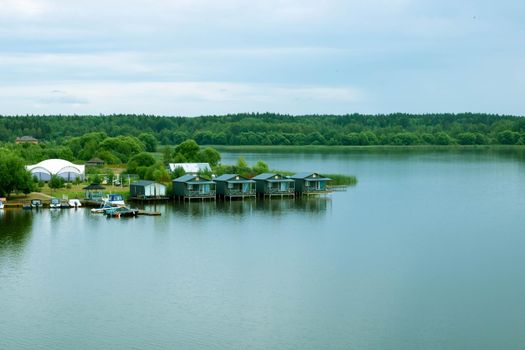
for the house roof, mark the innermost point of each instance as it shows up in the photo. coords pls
(314, 176)
(188, 178)
(94, 187)
(56, 166)
(271, 177)
(26, 138)
(95, 160)
(190, 167)
(144, 183)
(233, 178)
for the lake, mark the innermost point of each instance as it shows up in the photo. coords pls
(426, 252)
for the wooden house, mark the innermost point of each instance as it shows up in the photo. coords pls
(94, 192)
(269, 184)
(310, 183)
(234, 186)
(193, 187)
(26, 139)
(146, 189)
(93, 162)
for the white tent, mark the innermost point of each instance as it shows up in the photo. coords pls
(67, 170)
(190, 168)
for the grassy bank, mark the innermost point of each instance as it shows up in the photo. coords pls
(76, 191)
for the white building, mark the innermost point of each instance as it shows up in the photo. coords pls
(66, 170)
(190, 168)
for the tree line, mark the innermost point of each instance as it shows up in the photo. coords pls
(268, 129)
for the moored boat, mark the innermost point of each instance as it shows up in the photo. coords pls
(54, 203)
(119, 212)
(105, 206)
(74, 203)
(116, 199)
(35, 204)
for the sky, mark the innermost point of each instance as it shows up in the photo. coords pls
(203, 57)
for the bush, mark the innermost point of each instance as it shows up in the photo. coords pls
(56, 182)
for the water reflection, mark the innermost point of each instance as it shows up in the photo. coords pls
(276, 206)
(15, 228)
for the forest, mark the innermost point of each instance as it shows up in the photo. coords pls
(275, 129)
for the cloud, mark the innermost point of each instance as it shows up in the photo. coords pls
(297, 56)
(61, 97)
(181, 98)
(22, 9)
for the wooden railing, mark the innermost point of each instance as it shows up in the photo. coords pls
(189, 193)
(279, 191)
(316, 190)
(236, 192)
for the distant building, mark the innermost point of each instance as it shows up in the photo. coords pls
(193, 187)
(60, 167)
(310, 183)
(95, 162)
(146, 189)
(26, 139)
(190, 168)
(270, 184)
(234, 186)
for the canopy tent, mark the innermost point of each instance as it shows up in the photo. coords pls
(60, 167)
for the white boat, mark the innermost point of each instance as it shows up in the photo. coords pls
(116, 200)
(54, 203)
(105, 206)
(1, 205)
(74, 203)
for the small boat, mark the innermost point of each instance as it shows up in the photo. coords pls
(36, 204)
(74, 203)
(1, 205)
(55, 203)
(116, 199)
(105, 206)
(119, 212)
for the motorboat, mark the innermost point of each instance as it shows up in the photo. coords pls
(119, 212)
(105, 206)
(36, 204)
(55, 203)
(74, 203)
(116, 199)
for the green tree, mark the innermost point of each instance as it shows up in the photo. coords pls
(167, 155)
(13, 175)
(150, 141)
(442, 138)
(189, 149)
(261, 167)
(210, 155)
(56, 182)
(508, 137)
(142, 159)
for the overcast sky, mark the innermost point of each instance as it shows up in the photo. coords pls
(195, 57)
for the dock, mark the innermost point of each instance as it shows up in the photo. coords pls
(149, 213)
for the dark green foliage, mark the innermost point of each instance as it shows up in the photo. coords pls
(13, 175)
(150, 141)
(85, 134)
(187, 151)
(141, 160)
(261, 167)
(210, 155)
(157, 172)
(508, 137)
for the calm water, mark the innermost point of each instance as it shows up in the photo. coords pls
(427, 252)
